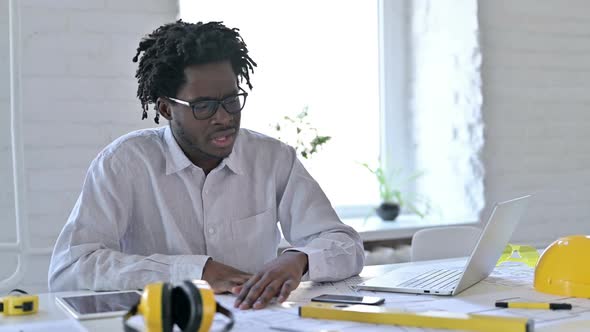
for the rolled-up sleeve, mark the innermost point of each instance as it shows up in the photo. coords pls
(88, 254)
(310, 224)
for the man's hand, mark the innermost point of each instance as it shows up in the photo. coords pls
(279, 277)
(223, 278)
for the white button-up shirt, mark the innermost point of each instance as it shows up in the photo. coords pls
(147, 213)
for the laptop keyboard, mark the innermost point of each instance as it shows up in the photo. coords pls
(435, 279)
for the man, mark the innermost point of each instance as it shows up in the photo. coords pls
(200, 198)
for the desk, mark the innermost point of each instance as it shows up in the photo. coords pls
(509, 281)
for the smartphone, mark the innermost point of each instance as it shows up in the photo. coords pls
(332, 298)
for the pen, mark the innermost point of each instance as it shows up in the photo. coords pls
(534, 305)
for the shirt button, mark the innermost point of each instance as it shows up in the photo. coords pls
(211, 230)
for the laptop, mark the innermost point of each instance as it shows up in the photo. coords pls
(452, 276)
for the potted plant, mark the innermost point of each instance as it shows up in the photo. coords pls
(392, 199)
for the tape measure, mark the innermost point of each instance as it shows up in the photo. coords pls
(21, 303)
(428, 319)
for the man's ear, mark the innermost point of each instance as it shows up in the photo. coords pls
(163, 106)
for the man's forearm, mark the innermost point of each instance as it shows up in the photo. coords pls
(333, 256)
(106, 269)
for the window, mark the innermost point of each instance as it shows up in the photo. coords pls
(319, 54)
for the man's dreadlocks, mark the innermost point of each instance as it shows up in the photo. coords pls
(169, 49)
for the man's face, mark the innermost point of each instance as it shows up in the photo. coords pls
(211, 138)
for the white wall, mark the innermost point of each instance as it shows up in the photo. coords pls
(536, 97)
(78, 94)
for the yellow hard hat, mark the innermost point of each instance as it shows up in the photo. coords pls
(564, 268)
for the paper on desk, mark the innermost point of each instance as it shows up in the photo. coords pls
(285, 318)
(508, 282)
(581, 325)
(512, 275)
(484, 304)
(580, 308)
(64, 325)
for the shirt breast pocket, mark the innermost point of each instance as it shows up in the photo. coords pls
(256, 240)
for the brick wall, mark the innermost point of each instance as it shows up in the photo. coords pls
(78, 94)
(535, 110)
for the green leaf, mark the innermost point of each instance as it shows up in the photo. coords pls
(301, 129)
(320, 140)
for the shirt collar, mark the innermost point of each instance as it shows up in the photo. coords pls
(176, 159)
(234, 160)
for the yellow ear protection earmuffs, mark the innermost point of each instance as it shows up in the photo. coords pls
(190, 305)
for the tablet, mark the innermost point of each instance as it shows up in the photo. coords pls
(99, 305)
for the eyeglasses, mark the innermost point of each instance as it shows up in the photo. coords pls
(204, 109)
